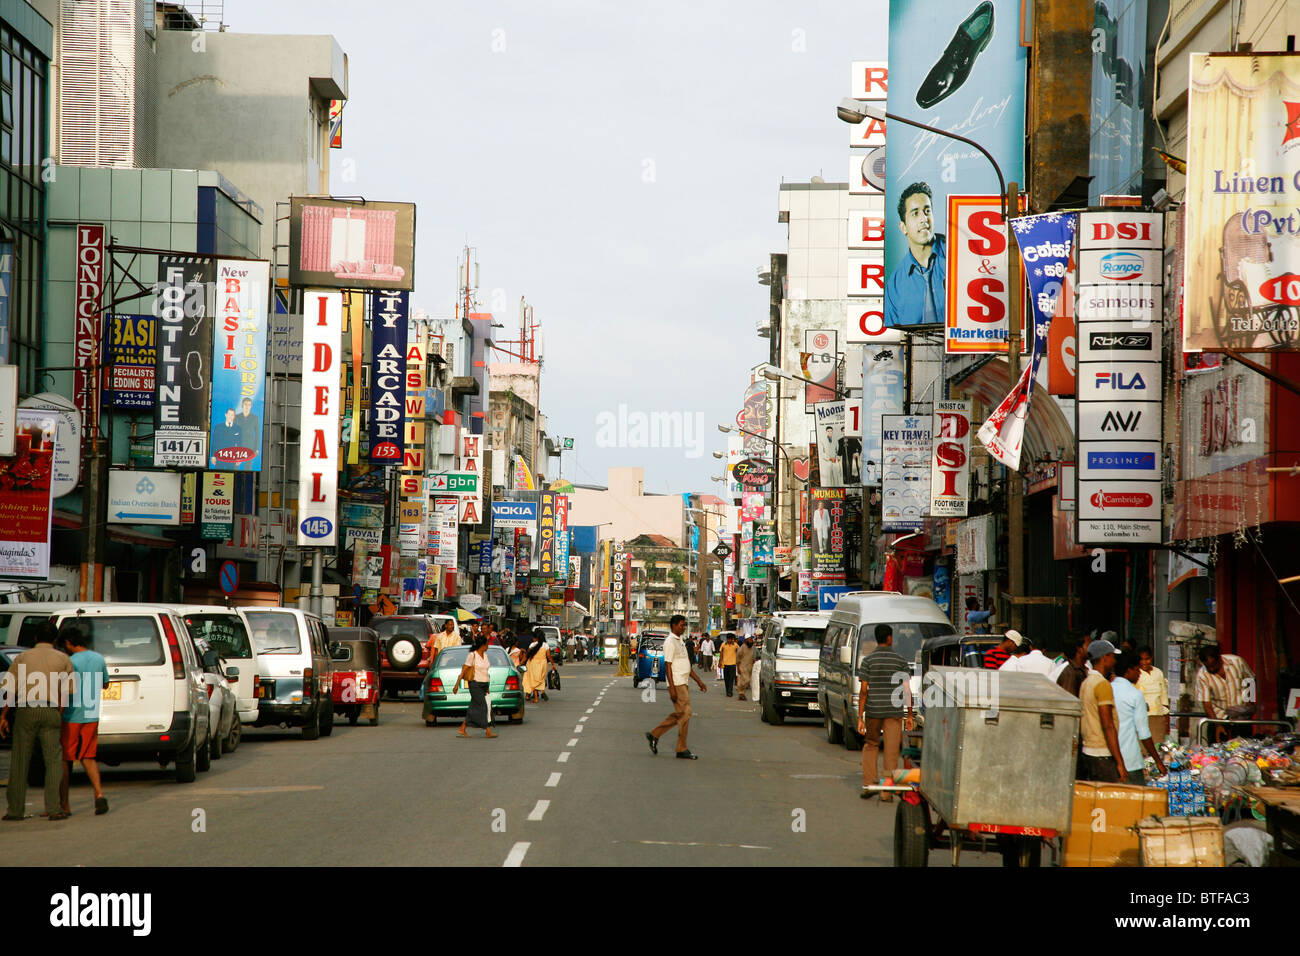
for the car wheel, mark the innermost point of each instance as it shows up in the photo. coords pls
(186, 765)
(203, 755)
(518, 716)
(311, 729)
(834, 734)
(215, 746)
(327, 723)
(236, 734)
(912, 835)
(374, 721)
(852, 740)
(353, 716)
(762, 707)
(403, 653)
(773, 714)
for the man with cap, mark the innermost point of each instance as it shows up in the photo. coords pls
(1100, 758)
(995, 657)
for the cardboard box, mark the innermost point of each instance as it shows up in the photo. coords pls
(1182, 841)
(1103, 828)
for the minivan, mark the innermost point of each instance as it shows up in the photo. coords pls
(851, 634)
(295, 685)
(156, 704)
(787, 683)
(227, 633)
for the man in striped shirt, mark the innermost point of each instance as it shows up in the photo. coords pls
(995, 657)
(884, 699)
(1224, 685)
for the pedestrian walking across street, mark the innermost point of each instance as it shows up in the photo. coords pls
(680, 674)
(883, 705)
(476, 673)
(729, 654)
(35, 684)
(80, 736)
(706, 653)
(744, 666)
(536, 661)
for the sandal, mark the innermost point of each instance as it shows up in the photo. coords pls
(459, 734)
(61, 815)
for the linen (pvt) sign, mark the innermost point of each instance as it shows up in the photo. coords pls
(1119, 411)
(183, 380)
(239, 365)
(318, 456)
(388, 377)
(950, 464)
(1241, 269)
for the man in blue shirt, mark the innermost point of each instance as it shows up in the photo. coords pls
(81, 716)
(1131, 712)
(914, 294)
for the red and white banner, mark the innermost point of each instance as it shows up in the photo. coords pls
(950, 461)
(318, 456)
(87, 304)
(819, 363)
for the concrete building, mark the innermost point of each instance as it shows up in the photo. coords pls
(624, 510)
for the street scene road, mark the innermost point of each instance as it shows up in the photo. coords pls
(574, 785)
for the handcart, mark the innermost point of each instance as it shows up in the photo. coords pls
(997, 772)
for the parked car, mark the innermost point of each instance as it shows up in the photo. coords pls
(791, 644)
(851, 634)
(294, 665)
(223, 707)
(358, 679)
(156, 705)
(227, 633)
(505, 691)
(650, 658)
(404, 648)
(18, 622)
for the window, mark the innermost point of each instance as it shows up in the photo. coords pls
(132, 641)
(908, 636)
(225, 632)
(274, 632)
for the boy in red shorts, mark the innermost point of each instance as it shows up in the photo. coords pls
(81, 716)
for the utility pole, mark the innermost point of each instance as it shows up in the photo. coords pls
(774, 575)
(1015, 487)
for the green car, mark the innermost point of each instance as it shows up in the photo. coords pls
(505, 690)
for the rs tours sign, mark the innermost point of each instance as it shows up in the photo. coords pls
(318, 458)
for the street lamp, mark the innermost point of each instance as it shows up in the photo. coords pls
(773, 375)
(855, 111)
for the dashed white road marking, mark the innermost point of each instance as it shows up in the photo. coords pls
(539, 811)
(554, 780)
(516, 855)
(572, 743)
(578, 729)
(591, 710)
(582, 720)
(563, 757)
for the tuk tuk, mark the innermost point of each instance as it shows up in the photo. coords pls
(358, 681)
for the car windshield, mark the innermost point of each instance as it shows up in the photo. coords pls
(802, 638)
(410, 626)
(274, 632)
(224, 632)
(454, 657)
(133, 641)
(908, 636)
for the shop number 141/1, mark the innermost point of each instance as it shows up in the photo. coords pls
(179, 446)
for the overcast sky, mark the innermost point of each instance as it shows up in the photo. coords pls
(615, 163)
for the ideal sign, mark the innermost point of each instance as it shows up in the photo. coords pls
(978, 287)
(318, 458)
(950, 463)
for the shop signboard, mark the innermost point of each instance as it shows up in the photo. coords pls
(950, 459)
(883, 378)
(217, 506)
(387, 421)
(132, 356)
(318, 457)
(828, 534)
(819, 363)
(26, 513)
(183, 379)
(87, 305)
(238, 365)
(978, 279)
(905, 482)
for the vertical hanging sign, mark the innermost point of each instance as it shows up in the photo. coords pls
(546, 535)
(90, 289)
(318, 456)
(950, 461)
(239, 366)
(184, 377)
(388, 376)
(412, 465)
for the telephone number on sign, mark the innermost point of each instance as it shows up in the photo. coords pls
(1274, 324)
(179, 446)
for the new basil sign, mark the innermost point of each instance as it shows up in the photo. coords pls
(753, 472)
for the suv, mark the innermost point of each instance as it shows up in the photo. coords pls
(404, 648)
(851, 634)
(295, 674)
(156, 704)
(792, 644)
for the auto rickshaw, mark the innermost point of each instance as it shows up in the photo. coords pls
(358, 681)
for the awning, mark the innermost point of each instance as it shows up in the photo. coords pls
(1047, 432)
(141, 538)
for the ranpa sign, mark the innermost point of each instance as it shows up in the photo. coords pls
(753, 472)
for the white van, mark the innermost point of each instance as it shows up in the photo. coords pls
(227, 633)
(295, 672)
(787, 683)
(156, 704)
(851, 634)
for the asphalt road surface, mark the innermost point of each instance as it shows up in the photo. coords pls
(575, 784)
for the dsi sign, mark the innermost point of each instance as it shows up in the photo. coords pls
(828, 596)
